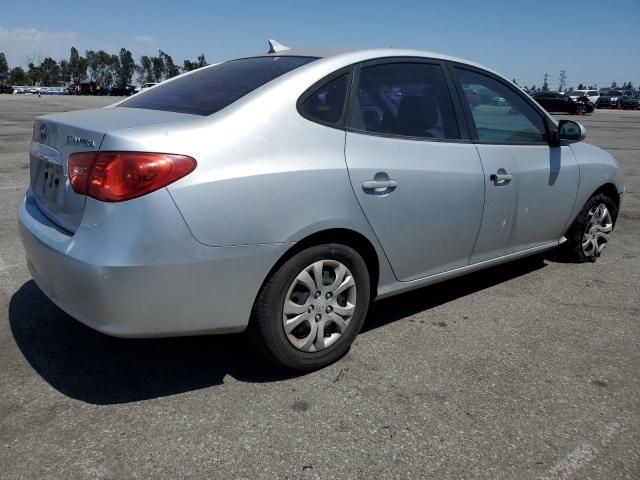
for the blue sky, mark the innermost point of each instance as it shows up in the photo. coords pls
(596, 42)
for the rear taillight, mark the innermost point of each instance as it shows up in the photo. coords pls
(119, 176)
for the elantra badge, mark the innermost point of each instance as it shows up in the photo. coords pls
(84, 141)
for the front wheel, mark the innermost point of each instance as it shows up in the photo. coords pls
(591, 230)
(581, 110)
(311, 309)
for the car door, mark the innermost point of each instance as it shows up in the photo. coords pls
(530, 186)
(419, 184)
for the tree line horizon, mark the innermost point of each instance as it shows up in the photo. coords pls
(111, 70)
(98, 66)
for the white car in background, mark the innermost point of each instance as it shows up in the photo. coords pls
(592, 95)
(145, 87)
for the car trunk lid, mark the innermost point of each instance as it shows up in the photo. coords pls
(57, 136)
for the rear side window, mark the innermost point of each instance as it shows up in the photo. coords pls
(404, 99)
(326, 104)
(211, 89)
(502, 115)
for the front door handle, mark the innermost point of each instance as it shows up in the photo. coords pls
(501, 177)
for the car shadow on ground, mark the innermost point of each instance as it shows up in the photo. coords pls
(86, 365)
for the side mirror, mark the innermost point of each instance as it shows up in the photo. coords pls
(571, 131)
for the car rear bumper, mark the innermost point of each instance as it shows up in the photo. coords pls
(121, 285)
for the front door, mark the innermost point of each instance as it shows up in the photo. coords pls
(530, 186)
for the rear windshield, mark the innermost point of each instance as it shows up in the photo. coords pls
(211, 89)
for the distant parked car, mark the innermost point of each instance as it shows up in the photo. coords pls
(610, 99)
(6, 89)
(145, 87)
(122, 91)
(592, 95)
(473, 97)
(631, 101)
(558, 102)
(498, 101)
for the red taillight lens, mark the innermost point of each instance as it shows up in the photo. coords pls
(119, 176)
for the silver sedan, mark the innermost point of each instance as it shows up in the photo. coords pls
(281, 193)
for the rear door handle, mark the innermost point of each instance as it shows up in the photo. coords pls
(379, 184)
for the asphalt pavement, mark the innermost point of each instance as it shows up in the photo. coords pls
(530, 370)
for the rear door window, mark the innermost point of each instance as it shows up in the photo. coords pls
(209, 90)
(404, 99)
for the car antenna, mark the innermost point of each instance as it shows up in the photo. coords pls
(275, 47)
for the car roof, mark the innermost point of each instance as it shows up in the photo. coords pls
(364, 54)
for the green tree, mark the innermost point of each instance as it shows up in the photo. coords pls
(188, 65)
(34, 73)
(170, 68)
(157, 68)
(124, 68)
(17, 76)
(77, 67)
(145, 70)
(49, 72)
(581, 87)
(65, 73)
(100, 67)
(4, 69)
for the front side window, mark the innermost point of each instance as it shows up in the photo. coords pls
(326, 104)
(209, 90)
(502, 115)
(404, 99)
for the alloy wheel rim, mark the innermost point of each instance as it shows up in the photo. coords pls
(319, 305)
(597, 231)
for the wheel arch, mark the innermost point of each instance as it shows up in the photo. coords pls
(611, 191)
(608, 189)
(351, 238)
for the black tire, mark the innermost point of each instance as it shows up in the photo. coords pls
(266, 330)
(572, 249)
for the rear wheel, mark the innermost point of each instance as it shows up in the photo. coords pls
(591, 230)
(311, 309)
(581, 110)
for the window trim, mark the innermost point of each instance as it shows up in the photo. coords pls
(321, 83)
(548, 123)
(457, 109)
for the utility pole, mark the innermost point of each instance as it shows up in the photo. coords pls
(563, 78)
(545, 85)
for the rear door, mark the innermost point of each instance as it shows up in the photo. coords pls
(530, 186)
(418, 182)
